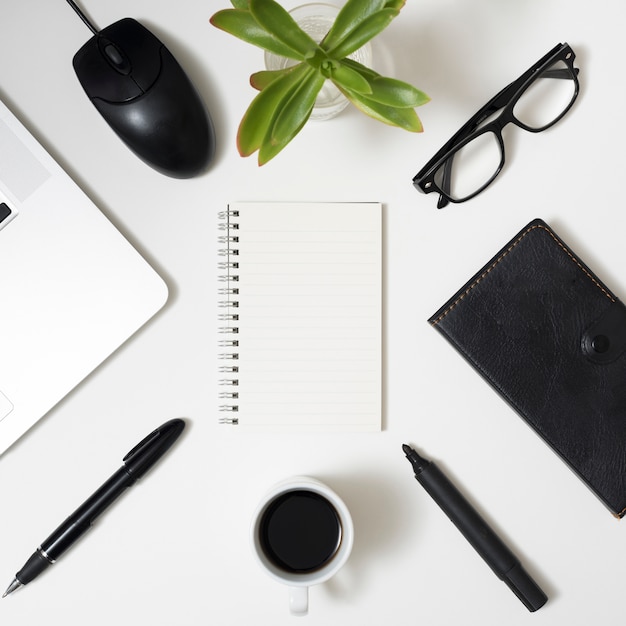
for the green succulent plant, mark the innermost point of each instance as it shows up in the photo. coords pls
(286, 97)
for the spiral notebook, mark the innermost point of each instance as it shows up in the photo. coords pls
(301, 316)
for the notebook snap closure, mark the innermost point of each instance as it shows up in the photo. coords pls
(600, 344)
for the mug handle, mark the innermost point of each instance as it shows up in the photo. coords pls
(299, 600)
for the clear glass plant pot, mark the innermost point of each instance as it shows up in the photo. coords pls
(316, 19)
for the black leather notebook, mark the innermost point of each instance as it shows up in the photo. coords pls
(550, 338)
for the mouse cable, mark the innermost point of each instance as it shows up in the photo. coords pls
(83, 17)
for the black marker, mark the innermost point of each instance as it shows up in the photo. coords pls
(474, 528)
(136, 463)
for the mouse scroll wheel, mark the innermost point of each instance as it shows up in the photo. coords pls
(117, 59)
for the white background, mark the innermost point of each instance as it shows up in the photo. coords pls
(175, 550)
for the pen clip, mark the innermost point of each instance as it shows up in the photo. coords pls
(144, 443)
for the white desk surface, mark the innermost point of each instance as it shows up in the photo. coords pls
(175, 550)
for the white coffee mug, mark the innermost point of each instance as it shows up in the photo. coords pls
(302, 534)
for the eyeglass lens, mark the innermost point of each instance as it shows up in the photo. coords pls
(471, 167)
(546, 98)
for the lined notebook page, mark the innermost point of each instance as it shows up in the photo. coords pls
(308, 298)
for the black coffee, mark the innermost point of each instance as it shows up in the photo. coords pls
(300, 531)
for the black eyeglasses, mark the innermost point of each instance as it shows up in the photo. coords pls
(470, 161)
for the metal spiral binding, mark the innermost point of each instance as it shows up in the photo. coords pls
(229, 316)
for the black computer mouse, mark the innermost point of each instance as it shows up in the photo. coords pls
(146, 97)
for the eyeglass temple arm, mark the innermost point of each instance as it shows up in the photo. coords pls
(500, 100)
(560, 73)
(445, 183)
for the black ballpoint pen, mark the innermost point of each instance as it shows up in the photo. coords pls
(136, 463)
(474, 528)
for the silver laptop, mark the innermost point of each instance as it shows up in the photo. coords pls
(72, 289)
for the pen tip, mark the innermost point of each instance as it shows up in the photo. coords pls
(16, 584)
(418, 462)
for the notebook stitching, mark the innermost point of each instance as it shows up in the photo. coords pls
(505, 253)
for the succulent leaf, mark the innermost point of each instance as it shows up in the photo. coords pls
(260, 115)
(243, 25)
(296, 109)
(348, 18)
(405, 118)
(366, 30)
(391, 4)
(260, 80)
(397, 93)
(389, 91)
(277, 21)
(271, 149)
(344, 76)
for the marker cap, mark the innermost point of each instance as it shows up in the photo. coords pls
(525, 588)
